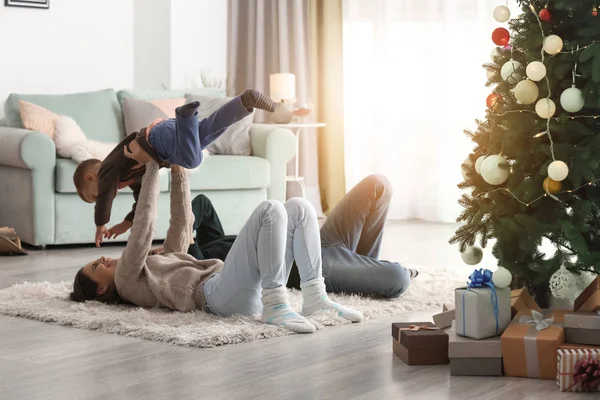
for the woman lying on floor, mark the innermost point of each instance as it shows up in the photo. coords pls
(252, 279)
(350, 240)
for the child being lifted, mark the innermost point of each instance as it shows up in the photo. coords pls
(174, 141)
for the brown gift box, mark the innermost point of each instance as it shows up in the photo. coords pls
(470, 357)
(589, 299)
(520, 299)
(530, 353)
(582, 328)
(420, 347)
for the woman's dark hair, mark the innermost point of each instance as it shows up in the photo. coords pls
(85, 289)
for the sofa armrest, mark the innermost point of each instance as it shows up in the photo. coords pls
(23, 148)
(278, 146)
(27, 163)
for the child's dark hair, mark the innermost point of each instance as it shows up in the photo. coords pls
(79, 175)
(85, 289)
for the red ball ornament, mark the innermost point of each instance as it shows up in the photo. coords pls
(493, 99)
(500, 36)
(545, 15)
(595, 11)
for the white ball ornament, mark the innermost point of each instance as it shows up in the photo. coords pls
(526, 92)
(501, 13)
(512, 71)
(478, 164)
(502, 278)
(494, 170)
(553, 44)
(536, 71)
(558, 171)
(572, 100)
(472, 255)
(545, 108)
(563, 284)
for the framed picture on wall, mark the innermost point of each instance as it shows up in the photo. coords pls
(28, 3)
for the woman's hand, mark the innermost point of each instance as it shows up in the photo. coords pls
(176, 169)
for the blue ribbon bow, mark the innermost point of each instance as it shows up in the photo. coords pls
(481, 279)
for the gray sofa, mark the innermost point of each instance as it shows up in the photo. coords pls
(38, 197)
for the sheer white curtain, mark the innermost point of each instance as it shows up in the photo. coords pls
(412, 83)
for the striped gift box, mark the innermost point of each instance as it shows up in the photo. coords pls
(566, 360)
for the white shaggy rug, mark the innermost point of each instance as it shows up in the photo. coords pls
(48, 302)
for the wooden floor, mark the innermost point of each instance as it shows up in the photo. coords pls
(43, 361)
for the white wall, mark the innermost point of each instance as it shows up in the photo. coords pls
(198, 41)
(152, 38)
(76, 45)
(82, 45)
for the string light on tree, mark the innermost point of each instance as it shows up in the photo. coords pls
(558, 171)
(572, 100)
(545, 108)
(501, 14)
(500, 36)
(512, 71)
(526, 92)
(536, 71)
(494, 170)
(472, 255)
(553, 44)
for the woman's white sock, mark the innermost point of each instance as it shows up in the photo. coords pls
(277, 311)
(316, 299)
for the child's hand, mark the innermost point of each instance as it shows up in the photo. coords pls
(176, 169)
(100, 232)
(118, 229)
(135, 152)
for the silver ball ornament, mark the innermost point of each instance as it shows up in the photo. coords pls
(472, 255)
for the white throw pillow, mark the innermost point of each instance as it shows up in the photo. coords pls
(72, 143)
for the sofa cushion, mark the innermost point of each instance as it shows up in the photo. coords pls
(231, 172)
(166, 94)
(235, 141)
(97, 113)
(138, 114)
(65, 169)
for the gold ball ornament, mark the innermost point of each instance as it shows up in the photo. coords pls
(552, 186)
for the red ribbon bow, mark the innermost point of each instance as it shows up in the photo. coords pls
(587, 372)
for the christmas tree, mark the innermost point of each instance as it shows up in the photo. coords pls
(535, 169)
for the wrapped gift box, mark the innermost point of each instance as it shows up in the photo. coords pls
(445, 318)
(582, 328)
(572, 346)
(418, 346)
(476, 318)
(576, 366)
(529, 352)
(520, 299)
(589, 299)
(470, 357)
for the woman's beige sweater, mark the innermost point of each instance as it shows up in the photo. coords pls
(173, 280)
